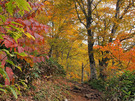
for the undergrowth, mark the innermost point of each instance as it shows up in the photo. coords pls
(117, 88)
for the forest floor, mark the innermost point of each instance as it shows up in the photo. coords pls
(59, 89)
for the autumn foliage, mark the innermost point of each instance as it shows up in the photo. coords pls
(90, 40)
(118, 58)
(20, 38)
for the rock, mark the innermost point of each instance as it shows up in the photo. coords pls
(90, 96)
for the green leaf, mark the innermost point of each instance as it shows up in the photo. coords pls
(3, 18)
(1, 9)
(16, 36)
(14, 27)
(23, 54)
(1, 36)
(3, 90)
(4, 73)
(16, 23)
(11, 62)
(7, 52)
(13, 92)
(9, 7)
(22, 5)
(19, 68)
(23, 83)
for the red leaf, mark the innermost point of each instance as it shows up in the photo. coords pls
(34, 28)
(33, 14)
(20, 49)
(27, 22)
(38, 59)
(3, 58)
(46, 28)
(10, 75)
(32, 20)
(2, 30)
(34, 60)
(38, 36)
(9, 44)
(7, 82)
(42, 58)
(47, 57)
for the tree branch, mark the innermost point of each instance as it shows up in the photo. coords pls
(128, 37)
(78, 15)
(95, 6)
(82, 8)
(125, 11)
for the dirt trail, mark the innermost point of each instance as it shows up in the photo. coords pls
(84, 92)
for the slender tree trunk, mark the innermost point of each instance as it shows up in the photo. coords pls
(57, 53)
(82, 73)
(51, 51)
(67, 59)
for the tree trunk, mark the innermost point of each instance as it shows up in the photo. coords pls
(82, 73)
(91, 59)
(91, 55)
(102, 65)
(87, 12)
(114, 28)
(67, 59)
(51, 51)
(90, 41)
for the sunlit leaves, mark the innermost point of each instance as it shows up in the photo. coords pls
(21, 4)
(9, 7)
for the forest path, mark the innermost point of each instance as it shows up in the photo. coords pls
(60, 89)
(83, 92)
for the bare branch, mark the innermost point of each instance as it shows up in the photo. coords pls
(125, 11)
(91, 1)
(128, 37)
(78, 15)
(83, 4)
(96, 5)
(82, 8)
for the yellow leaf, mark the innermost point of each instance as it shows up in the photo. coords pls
(29, 35)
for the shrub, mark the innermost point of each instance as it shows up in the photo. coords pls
(51, 67)
(97, 84)
(122, 87)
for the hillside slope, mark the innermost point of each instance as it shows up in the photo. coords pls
(59, 89)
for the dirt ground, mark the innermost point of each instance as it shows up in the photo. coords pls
(59, 89)
(82, 92)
